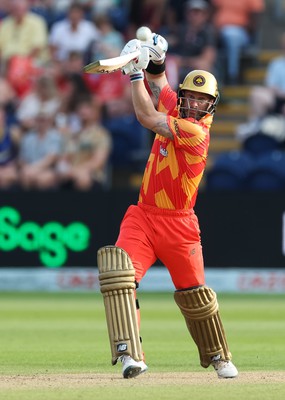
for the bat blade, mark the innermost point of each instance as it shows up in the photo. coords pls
(110, 65)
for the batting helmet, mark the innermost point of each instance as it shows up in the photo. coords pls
(203, 82)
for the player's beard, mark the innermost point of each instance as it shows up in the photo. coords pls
(191, 113)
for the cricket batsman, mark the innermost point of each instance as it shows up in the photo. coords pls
(163, 224)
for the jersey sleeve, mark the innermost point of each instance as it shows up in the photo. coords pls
(167, 102)
(190, 135)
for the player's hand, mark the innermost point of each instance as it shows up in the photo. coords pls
(157, 46)
(139, 63)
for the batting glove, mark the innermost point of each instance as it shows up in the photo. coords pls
(157, 46)
(134, 68)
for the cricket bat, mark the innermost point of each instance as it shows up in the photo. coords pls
(110, 65)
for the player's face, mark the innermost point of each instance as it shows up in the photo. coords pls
(194, 104)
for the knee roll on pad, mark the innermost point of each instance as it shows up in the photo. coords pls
(201, 312)
(117, 285)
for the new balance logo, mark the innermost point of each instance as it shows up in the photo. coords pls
(122, 347)
(216, 358)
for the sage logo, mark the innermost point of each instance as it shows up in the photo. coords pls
(52, 240)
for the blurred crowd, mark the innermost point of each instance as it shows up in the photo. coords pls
(63, 129)
(259, 164)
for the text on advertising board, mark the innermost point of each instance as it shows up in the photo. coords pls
(51, 240)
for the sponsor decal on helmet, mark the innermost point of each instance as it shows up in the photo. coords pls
(199, 80)
(122, 347)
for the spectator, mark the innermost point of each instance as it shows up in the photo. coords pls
(8, 100)
(177, 8)
(103, 7)
(48, 11)
(9, 137)
(74, 84)
(237, 26)
(263, 135)
(84, 163)
(130, 140)
(22, 33)
(74, 33)
(267, 105)
(196, 45)
(73, 65)
(278, 8)
(3, 9)
(145, 12)
(119, 14)
(44, 97)
(106, 87)
(39, 150)
(169, 26)
(111, 41)
(271, 96)
(61, 6)
(76, 90)
(60, 71)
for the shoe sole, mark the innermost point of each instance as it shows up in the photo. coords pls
(132, 372)
(143, 370)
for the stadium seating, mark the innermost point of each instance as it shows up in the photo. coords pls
(260, 144)
(268, 172)
(229, 171)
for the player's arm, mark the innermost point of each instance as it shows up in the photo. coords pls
(156, 82)
(155, 70)
(146, 112)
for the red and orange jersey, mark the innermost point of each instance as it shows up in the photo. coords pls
(175, 167)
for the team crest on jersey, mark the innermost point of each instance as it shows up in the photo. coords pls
(163, 151)
(199, 80)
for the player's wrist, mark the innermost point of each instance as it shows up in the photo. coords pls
(154, 68)
(137, 76)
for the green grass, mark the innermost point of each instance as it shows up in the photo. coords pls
(50, 334)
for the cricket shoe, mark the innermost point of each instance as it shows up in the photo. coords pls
(132, 368)
(225, 369)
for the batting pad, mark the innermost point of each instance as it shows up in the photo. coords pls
(201, 312)
(117, 284)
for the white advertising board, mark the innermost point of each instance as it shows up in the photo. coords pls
(157, 279)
